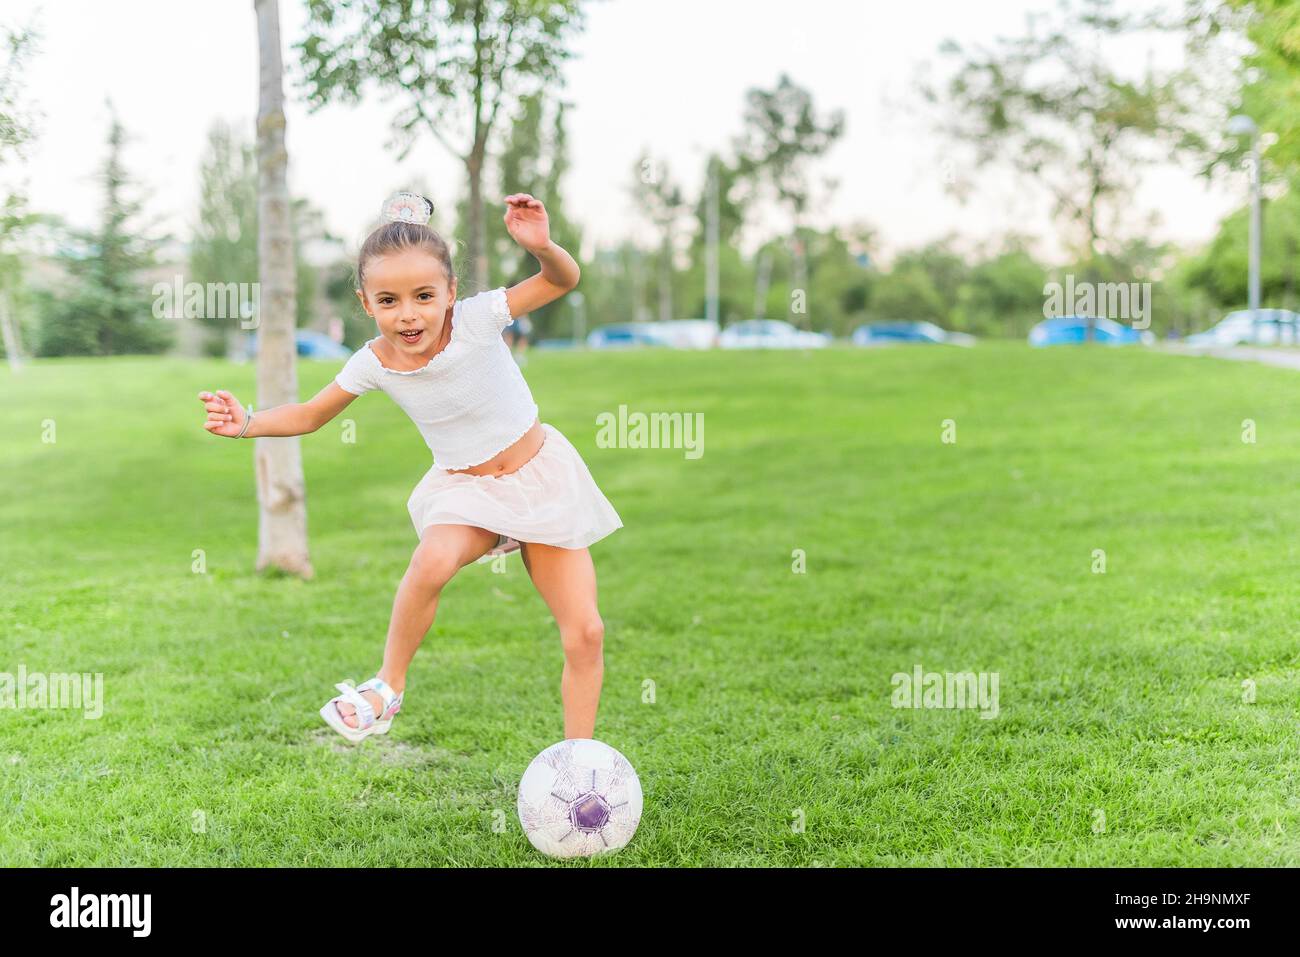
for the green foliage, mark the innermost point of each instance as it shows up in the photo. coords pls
(1271, 91)
(106, 308)
(438, 54)
(448, 63)
(1221, 269)
(731, 211)
(534, 159)
(339, 285)
(1001, 295)
(996, 294)
(908, 291)
(17, 129)
(1052, 106)
(655, 193)
(223, 248)
(782, 135)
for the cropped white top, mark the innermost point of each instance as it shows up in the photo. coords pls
(470, 401)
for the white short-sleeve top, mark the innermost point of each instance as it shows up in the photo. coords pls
(470, 401)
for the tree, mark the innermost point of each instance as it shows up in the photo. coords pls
(1050, 106)
(731, 214)
(106, 309)
(908, 292)
(1221, 269)
(16, 129)
(223, 248)
(715, 198)
(1271, 72)
(1001, 294)
(782, 135)
(534, 159)
(663, 203)
(281, 489)
(440, 57)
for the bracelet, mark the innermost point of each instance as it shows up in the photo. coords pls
(248, 420)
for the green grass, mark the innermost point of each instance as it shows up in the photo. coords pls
(1119, 691)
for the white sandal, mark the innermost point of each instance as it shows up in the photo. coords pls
(367, 722)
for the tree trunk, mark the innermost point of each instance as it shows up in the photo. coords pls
(800, 269)
(666, 280)
(640, 312)
(10, 337)
(281, 495)
(477, 239)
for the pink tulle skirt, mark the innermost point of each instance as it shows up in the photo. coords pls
(551, 499)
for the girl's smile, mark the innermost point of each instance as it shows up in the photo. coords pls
(407, 294)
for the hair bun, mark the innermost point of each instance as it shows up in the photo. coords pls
(407, 208)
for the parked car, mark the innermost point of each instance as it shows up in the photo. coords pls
(685, 333)
(1071, 330)
(887, 333)
(557, 344)
(308, 343)
(1263, 327)
(317, 345)
(770, 334)
(624, 336)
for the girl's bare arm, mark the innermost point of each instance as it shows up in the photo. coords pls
(226, 414)
(529, 226)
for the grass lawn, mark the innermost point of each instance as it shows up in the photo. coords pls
(1120, 693)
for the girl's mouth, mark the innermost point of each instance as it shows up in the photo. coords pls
(413, 336)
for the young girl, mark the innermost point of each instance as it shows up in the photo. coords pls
(502, 480)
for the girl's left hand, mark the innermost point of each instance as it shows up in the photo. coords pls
(526, 221)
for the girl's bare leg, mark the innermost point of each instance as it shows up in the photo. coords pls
(566, 580)
(443, 550)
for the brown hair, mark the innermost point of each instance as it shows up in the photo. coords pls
(394, 236)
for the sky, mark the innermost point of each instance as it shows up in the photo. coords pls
(668, 76)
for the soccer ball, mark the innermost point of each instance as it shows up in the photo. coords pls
(579, 797)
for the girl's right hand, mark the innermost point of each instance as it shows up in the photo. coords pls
(225, 414)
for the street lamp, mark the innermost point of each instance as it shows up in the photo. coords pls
(1242, 125)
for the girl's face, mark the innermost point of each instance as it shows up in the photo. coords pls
(408, 295)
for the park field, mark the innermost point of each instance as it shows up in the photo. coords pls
(1086, 524)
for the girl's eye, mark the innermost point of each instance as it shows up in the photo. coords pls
(426, 295)
(386, 301)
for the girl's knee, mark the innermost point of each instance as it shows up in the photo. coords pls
(432, 566)
(583, 638)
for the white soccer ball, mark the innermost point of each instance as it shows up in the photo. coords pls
(579, 797)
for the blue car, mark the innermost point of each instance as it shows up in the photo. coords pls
(308, 344)
(621, 336)
(1073, 330)
(886, 333)
(317, 345)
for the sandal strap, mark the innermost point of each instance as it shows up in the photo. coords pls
(392, 700)
(365, 710)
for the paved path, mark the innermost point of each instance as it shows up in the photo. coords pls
(1288, 358)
